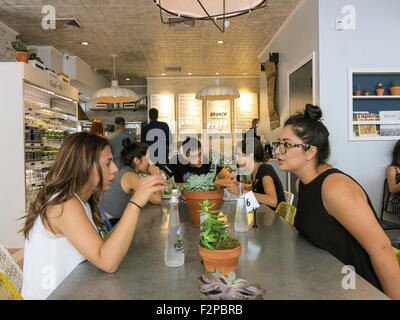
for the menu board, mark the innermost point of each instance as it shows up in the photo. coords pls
(165, 104)
(190, 119)
(246, 109)
(219, 116)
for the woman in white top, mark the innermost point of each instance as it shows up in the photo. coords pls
(60, 227)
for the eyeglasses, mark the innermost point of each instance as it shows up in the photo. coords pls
(283, 146)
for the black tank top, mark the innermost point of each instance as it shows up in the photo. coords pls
(320, 228)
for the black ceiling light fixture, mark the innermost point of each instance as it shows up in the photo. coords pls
(213, 10)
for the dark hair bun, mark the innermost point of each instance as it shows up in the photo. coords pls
(313, 112)
(126, 142)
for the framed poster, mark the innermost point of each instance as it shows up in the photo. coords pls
(190, 117)
(165, 104)
(246, 109)
(219, 116)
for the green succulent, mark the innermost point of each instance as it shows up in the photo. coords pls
(395, 83)
(203, 182)
(218, 286)
(214, 233)
(19, 45)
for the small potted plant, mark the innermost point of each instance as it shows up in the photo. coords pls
(21, 51)
(380, 90)
(366, 92)
(198, 189)
(219, 251)
(395, 88)
(219, 287)
(35, 61)
(357, 92)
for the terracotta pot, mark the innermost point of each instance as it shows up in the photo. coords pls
(395, 91)
(194, 198)
(379, 92)
(216, 259)
(366, 94)
(357, 92)
(22, 56)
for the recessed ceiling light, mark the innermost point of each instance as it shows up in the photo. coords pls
(127, 79)
(85, 43)
(220, 42)
(217, 73)
(245, 73)
(189, 73)
(163, 74)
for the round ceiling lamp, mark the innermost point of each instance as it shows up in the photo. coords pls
(207, 9)
(217, 92)
(114, 94)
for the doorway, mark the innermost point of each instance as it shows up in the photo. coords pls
(301, 91)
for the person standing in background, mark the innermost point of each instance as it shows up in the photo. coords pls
(252, 132)
(159, 133)
(97, 128)
(117, 138)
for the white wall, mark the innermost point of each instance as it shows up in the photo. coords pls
(294, 41)
(12, 181)
(374, 43)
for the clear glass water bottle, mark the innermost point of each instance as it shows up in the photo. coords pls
(174, 250)
(241, 218)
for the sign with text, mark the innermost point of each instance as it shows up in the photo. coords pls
(190, 118)
(165, 104)
(250, 201)
(246, 109)
(219, 116)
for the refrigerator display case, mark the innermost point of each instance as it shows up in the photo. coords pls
(38, 112)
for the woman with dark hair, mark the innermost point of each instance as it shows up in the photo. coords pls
(190, 161)
(61, 225)
(334, 212)
(134, 159)
(251, 159)
(393, 179)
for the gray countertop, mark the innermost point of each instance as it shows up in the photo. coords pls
(273, 255)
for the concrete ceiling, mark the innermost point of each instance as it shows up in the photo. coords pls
(144, 46)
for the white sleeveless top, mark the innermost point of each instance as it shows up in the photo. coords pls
(48, 259)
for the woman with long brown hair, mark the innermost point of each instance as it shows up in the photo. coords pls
(60, 228)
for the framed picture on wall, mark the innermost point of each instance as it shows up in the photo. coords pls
(165, 104)
(190, 115)
(219, 116)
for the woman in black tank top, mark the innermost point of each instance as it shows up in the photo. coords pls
(393, 179)
(334, 212)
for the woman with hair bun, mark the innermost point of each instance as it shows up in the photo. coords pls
(252, 158)
(134, 159)
(334, 212)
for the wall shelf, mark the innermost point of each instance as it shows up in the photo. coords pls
(372, 130)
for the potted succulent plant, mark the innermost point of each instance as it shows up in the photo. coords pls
(218, 286)
(219, 251)
(198, 189)
(366, 92)
(380, 90)
(21, 50)
(357, 92)
(395, 88)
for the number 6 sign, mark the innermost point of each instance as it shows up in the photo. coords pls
(251, 201)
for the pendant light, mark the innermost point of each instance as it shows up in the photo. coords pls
(212, 10)
(114, 94)
(217, 92)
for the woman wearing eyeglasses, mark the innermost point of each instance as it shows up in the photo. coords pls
(251, 159)
(334, 212)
